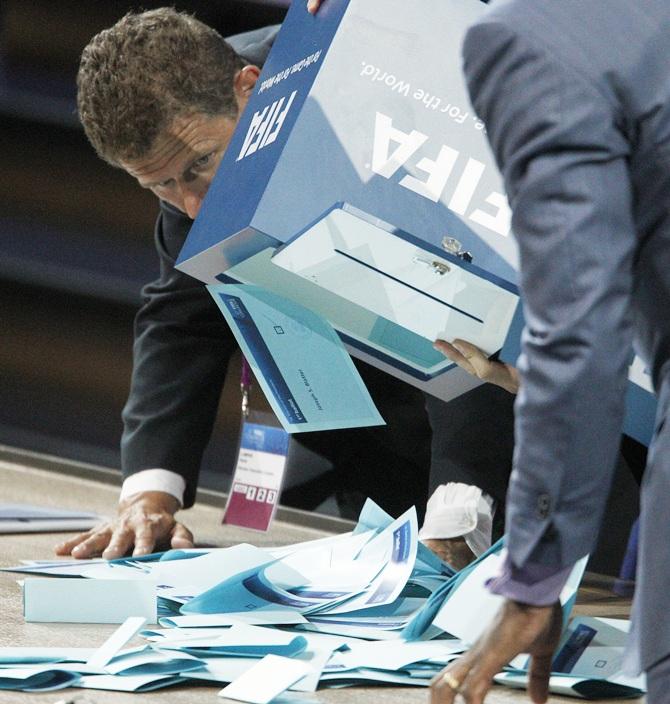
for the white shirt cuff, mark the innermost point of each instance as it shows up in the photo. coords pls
(154, 480)
(459, 510)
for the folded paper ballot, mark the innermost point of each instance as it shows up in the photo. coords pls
(390, 656)
(111, 647)
(283, 617)
(88, 600)
(131, 683)
(468, 611)
(573, 686)
(242, 640)
(386, 563)
(81, 568)
(41, 678)
(586, 636)
(145, 661)
(268, 679)
(298, 359)
(25, 518)
(33, 656)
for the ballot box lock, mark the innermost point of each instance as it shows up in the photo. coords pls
(453, 246)
(435, 265)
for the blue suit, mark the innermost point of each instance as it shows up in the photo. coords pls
(575, 96)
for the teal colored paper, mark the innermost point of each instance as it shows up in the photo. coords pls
(128, 683)
(36, 679)
(298, 359)
(147, 661)
(15, 655)
(570, 686)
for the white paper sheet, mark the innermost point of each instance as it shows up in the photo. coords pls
(266, 680)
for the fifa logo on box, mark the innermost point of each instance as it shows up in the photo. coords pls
(265, 126)
(393, 149)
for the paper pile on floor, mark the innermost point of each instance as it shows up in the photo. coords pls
(370, 606)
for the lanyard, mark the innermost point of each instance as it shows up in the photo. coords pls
(259, 469)
(245, 386)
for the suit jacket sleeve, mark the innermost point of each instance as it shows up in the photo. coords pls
(180, 356)
(558, 140)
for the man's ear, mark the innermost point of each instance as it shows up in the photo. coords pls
(243, 84)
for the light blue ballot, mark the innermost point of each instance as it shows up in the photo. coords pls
(88, 600)
(36, 679)
(299, 361)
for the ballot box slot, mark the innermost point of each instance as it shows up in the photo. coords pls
(435, 265)
(401, 278)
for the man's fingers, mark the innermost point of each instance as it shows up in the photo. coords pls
(182, 538)
(543, 656)
(313, 6)
(468, 357)
(479, 362)
(447, 684)
(441, 692)
(449, 351)
(120, 543)
(146, 536)
(476, 687)
(479, 679)
(66, 547)
(467, 349)
(538, 678)
(93, 545)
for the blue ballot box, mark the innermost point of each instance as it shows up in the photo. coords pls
(360, 184)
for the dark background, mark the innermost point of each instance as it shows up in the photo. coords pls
(76, 247)
(76, 239)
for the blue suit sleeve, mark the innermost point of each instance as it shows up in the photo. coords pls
(563, 155)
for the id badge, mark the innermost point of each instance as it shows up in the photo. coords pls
(259, 474)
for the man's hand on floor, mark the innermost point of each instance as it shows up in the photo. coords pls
(517, 628)
(145, 522)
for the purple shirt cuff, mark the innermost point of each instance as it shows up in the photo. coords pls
(539, 585)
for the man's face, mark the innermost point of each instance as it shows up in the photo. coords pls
(184, 159)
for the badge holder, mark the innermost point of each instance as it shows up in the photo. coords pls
(260, 466)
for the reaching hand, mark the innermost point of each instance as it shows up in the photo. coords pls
(517, 628)
(474, 361)
(313, 6)
(145, 521)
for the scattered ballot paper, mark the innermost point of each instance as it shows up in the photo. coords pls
(571, 686)
(587, 663)
(43, 678)
(128, 683)
(469, 610)
(266, 680)
(25, 518)
(298, 359)
(372, 606)
(116, 641)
